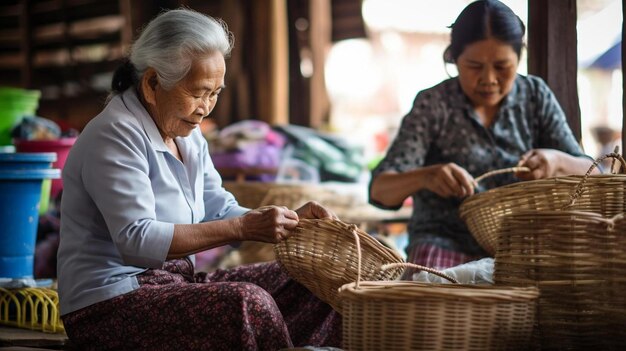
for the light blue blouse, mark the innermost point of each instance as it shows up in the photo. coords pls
(123, 193)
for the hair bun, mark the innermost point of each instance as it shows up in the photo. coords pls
(124, 77)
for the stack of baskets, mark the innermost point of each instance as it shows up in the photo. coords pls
(380, 313)
(565, 236)
(577, 261)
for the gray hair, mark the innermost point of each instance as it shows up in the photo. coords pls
(171, 41)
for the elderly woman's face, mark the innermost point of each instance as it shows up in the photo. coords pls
(179, 110)
(487, 71)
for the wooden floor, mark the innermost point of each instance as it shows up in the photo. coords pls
(18, 339)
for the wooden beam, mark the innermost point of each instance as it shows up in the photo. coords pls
(552, 53)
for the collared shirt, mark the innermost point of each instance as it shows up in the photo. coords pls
(443, 127)
(123, 193)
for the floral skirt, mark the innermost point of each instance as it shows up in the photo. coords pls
(255, 307)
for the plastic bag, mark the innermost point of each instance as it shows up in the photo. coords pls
(474, 272)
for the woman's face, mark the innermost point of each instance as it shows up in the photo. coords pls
(487, 70)
(179, 110)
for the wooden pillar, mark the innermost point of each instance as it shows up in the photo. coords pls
(26, 45)
(309, 41)
(280, 63)
(552, 53)
(269, 61)
(623, 77)
(321, 32)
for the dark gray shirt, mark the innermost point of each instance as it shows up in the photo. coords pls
(443, 127)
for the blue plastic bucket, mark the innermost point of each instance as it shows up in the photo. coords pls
(20, 194)
(41, 160)
(25, 160)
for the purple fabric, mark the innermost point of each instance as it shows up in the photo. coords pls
(256, 307)
(261, 156)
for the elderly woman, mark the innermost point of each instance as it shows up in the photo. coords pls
(141, 196)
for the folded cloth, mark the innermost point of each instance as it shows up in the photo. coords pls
(474, 272)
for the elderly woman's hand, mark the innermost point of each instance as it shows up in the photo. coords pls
(268, 224)
(313, 209)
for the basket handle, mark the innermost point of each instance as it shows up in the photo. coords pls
(579, 188)
(501, 171)
(353, 230)
(421, 268)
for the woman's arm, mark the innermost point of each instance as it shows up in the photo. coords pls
(546, 163)
(267, 224)
(446, 180)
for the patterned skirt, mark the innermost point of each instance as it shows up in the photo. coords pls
(255, 307)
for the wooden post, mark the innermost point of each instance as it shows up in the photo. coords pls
(623, 78)
(26, 45)
(552, 53)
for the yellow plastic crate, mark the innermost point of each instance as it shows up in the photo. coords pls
(31, 308)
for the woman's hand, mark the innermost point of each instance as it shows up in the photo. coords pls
(448, 180)
(269, 224)
(543, 163)
(314, 210)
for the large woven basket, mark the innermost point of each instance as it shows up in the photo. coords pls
(603, 194)
(405, 315)
(322, 255)
(578, 260)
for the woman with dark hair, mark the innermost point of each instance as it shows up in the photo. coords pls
(488, 117)
(141, 196)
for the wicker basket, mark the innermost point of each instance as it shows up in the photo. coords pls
(603, 194)
(323, 256)
(292, 196)
(406, 315)
(257, 194)
(578, 260)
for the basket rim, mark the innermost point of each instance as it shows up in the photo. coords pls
(409, 290)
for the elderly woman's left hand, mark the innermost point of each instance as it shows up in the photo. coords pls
(313, 209)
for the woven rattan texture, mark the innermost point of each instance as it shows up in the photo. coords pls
(578, 260)
(322, 256)
(483, 213)
(416, 316)
(257, 194)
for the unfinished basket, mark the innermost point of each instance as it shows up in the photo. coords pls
(603, 194)
(292, 196)
(322, 255)
(406, 315)
(578, 260)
